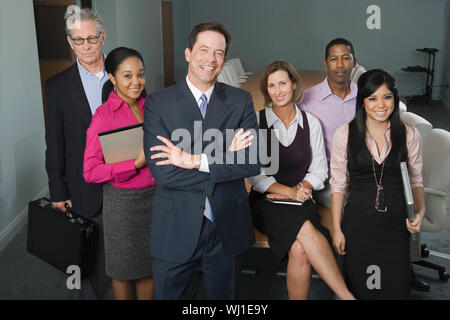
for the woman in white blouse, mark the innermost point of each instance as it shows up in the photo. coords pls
(294, 231)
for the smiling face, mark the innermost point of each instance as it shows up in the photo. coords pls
(87, 53)
(379, 105)
(339, 64)
(280, 88)
(129, 79)
(206, 59)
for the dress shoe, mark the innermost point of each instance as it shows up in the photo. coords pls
(419, 285)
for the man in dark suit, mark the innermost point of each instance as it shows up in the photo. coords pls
(72, 97)
(200, 208)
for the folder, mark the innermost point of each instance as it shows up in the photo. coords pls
(123, 143)
(408, 194)
(290, 202)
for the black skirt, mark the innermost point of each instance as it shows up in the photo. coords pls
(377, 260)
(281, 223)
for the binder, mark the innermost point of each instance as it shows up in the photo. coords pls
(290, 202)
(122, 144)
(408, 195)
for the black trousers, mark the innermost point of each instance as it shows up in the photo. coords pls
(219, 270)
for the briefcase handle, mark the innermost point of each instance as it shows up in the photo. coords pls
(73, 218)
(68, 212)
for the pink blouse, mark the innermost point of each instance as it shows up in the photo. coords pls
(113, 114)
(338, 162)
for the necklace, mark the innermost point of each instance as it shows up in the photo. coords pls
(380, 203)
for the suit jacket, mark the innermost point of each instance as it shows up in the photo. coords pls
(179, 200)
(68, 116)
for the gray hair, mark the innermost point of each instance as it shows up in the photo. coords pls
(75, 15)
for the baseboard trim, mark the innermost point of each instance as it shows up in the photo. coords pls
(11, 230)
(439, 254)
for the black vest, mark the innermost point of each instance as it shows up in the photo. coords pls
(295, 159)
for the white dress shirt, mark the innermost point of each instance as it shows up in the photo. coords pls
(318, 169)
(204, 166)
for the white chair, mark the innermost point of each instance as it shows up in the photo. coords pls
(240, 69)
(236, 71)
(357, 71)
(232, 76)
(402, 106)
(418, 122)
(223, 78)
(436, 181)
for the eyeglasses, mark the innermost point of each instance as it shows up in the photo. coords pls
(91, 40)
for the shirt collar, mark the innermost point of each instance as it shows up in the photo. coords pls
(271, 117)
(325, 90)
(197, 93)
(84, 71)
(115, 102)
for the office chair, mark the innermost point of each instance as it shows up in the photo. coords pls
(222, 77)
(231, 75)
(436, 181)
(418, 122)
(357, 71)
(236, 62)
(424, 128)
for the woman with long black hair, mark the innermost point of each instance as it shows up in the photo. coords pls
(128, 186)
(374, 238)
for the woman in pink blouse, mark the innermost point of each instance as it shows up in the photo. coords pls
(128, 185)
(374, 238)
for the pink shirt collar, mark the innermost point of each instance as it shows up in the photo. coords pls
(115, 102)
(325, 90)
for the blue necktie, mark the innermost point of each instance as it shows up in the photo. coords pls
(203, 104)
(208, 211)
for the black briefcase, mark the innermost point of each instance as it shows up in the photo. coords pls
(61, 239)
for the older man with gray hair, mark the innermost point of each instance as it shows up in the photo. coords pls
(73, 95)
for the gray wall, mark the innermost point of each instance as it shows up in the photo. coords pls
(135, 24)
(22, 145)
(445, 96)
(298, 31)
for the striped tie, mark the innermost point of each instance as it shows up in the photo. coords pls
(203, 104)
(208, 211)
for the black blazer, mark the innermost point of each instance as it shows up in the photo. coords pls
(67, 118)
(179, 199)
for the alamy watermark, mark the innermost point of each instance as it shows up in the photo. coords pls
(374, 280)
(74, 279)
(219, 141)
(374, 20)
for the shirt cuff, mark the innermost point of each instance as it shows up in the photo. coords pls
(264, 184)
(335, 187)
(315, 182)
(204, 166)
(124, 170)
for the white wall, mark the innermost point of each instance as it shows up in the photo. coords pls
(135, 24)
(22, 144)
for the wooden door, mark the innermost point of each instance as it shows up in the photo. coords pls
(55, 54)
(168, 51)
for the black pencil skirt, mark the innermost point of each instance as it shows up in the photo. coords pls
(281, 223)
